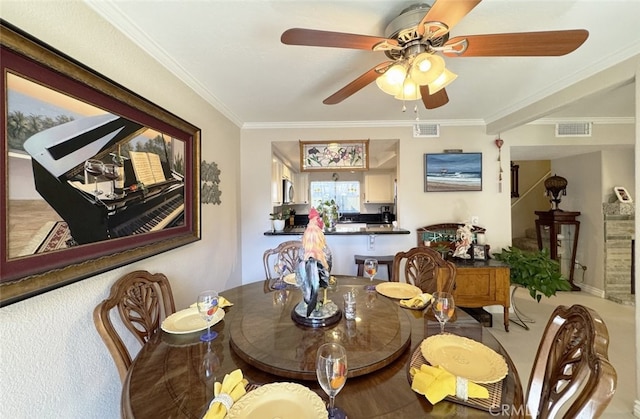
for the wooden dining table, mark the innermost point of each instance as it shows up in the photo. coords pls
(173, 374)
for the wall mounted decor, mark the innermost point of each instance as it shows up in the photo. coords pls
(210, 183)
(96, 176)
(334, 155)
(452, 172)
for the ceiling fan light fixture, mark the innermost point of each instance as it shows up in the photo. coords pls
(410, 90)
(445, 79)
(426, 68)
(391, 81)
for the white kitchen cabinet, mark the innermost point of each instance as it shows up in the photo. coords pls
(287, 173)
(301, 188)
(276, 181)
(378, 188)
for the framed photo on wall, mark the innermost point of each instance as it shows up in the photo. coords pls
(95, 176)
(452, 172)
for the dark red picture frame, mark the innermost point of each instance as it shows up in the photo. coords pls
(26, 276)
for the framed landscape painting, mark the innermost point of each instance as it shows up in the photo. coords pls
(452, 172)
(94, 176)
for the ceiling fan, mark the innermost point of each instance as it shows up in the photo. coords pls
(413, 40)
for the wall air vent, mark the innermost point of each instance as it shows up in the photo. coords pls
(426, 130)
(573, 129)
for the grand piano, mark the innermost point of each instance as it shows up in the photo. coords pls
(58, 157)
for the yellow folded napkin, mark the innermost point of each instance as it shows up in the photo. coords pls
(222, 302)
(232, 388)
(435, 384)
(419, 300)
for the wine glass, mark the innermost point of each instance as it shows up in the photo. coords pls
(111, 173)
(331, 370)
(207, 306)
(443, 307)
(371, 269)
(95, 168)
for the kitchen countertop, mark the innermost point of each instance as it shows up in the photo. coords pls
(344, 231)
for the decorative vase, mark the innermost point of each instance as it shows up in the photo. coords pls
(278, 225)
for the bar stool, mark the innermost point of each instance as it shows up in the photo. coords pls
(382, 260)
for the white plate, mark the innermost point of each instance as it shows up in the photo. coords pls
(279, 400)
(189, 320)
(399, 290)
(465, 358)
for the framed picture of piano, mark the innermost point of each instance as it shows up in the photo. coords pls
(95, 176)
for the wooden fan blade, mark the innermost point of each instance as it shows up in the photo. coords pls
(524, 44)
(316, 38)
(449, 12)
(358, 83)
(439, 98)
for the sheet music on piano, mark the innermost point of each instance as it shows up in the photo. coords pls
(147, 167)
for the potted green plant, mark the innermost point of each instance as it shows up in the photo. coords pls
(277, 221)
(534, 270)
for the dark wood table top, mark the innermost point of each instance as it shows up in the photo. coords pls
(167, 378)
(266, 337)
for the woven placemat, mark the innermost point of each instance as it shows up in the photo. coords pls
(490, 404)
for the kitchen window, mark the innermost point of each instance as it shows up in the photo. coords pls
(345, 193)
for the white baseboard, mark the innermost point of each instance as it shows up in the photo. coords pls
(592, 290)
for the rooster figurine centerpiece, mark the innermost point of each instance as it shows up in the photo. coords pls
(312, 276)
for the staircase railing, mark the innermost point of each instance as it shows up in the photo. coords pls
(522, 196)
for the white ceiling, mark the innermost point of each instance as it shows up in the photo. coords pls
(230, 53)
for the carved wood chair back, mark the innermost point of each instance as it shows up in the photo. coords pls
(571, 375)
(425, 268)
(291, 252)
(142, 300)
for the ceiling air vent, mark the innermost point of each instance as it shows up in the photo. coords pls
(426, 130)
(573, 129)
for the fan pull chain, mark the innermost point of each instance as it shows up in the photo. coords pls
(415, 110)
(499, 143)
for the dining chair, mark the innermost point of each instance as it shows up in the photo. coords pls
(425, 268)
(143, 300)
(291, 252)
(386, 261)
(571, 376)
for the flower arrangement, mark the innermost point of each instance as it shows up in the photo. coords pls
(329, 212)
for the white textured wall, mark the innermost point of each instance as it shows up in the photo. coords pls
(53, 364)
(617, 170)
(584, 194)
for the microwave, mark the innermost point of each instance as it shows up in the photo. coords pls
(287, 191)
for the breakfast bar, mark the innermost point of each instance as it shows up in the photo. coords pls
(344, 230)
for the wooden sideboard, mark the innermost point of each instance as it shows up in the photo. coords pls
(483, 283)
(479, 283)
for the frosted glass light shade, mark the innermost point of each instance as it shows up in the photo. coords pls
(391, 81)
(443, 81)
(426, 68)
(410, 90)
